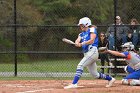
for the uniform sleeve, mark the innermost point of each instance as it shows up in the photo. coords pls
(80, 35)
(93, 30)
(126, 54)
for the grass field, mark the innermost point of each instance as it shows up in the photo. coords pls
(44, 66)
(47, 66)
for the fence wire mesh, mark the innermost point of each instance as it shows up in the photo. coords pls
(41, 25)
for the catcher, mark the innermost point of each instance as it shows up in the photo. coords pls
(133, 60)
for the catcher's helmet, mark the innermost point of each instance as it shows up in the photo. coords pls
(128, 46)
(85, 21)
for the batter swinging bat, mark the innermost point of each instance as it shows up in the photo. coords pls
(68, 41)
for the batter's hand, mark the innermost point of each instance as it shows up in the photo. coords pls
(78, 44)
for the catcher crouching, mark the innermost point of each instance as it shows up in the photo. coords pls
(133, 60)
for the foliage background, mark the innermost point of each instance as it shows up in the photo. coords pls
(43, 23)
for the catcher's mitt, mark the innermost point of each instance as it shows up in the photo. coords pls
(102, 49)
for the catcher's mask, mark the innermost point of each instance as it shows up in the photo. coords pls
(127, 46)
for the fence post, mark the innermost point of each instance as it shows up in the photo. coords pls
(115, 14)
(15, 36)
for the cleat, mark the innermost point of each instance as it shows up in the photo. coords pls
(71, 86)
(110, 83)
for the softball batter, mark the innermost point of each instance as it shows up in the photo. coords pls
(133, 67)
(88, 40)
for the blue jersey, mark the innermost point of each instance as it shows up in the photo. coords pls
(85, 36)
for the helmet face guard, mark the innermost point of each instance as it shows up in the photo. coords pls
(126, 49)
(127, 46)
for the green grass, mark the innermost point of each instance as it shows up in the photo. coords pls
(44, 66)
(52, 65)
(45, 78)
(37, 78)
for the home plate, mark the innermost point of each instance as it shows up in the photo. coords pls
(74, 87)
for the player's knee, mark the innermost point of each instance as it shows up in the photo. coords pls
(134, 82)
(125, 69)
(128, 69)
(131, 82)
(125, 81)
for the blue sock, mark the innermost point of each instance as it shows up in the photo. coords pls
(77, 76)
(106, 77)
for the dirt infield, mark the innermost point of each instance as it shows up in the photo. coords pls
(56, 86)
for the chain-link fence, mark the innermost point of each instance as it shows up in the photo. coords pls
(31, 33)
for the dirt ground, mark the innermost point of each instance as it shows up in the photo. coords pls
(56, 86)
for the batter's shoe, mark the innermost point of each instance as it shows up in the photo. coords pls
(110, 83)
(71, 86)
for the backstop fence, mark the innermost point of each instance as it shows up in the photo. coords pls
(31, 33)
